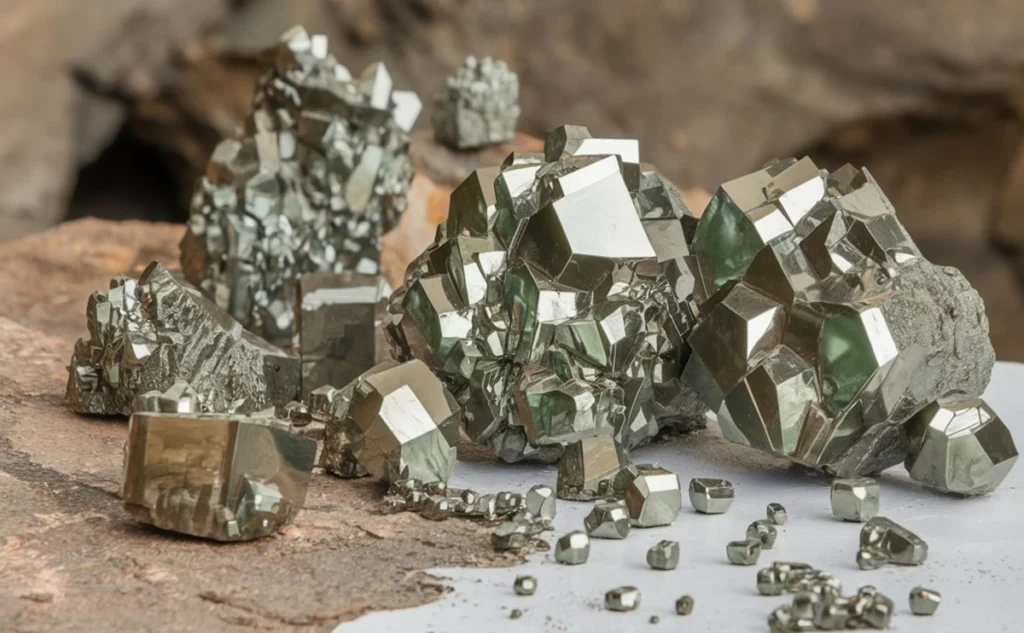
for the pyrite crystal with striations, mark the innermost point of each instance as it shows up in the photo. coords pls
(224, 477)
(320, 172)
(822, 330)
(590, 468)
(148, 335)
(553, 301)
(478, 106)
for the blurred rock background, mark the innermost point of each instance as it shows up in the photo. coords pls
(110, 108)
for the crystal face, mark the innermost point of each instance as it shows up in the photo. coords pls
(622, 599)
(652, 496)
(745, 552)
(924, 601)
(855, 499)
(963, 448)
(711, 496)
(216, 476)
(525, 585)
(398, 421)
(590, 467)
(664, 555)
(554, 302)
(148, 335)
(320, 172)
(822, 330)
(608, 519)
(885, 541)
(478, 106)
(573, 548)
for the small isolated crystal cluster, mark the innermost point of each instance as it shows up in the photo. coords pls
(829, 611)
(784, 577)
(478, 106)
(148, 335)
(822, 330)
(320, 172)
(552, 301)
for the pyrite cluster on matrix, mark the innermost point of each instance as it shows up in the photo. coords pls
(150, 334)
(822, 331)
(553, 300)
(320, 172)
(478, 106)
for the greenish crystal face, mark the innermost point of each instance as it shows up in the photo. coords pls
(725, 242)
(424, 315)
(521, 296)
(847, 360)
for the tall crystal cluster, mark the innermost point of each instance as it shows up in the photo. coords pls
(553, 300)
(822, 330)
(320, 172)
(478, 106)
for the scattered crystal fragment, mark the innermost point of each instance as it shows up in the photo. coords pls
(478, 106)
(398, 421)
(855, 499)
(924, 601)
(822, 330)
(892, 542)
(829, 611)
(743, 552)
(684, 605)
(573, 548)
(777, 514)
(540, 502)
(654, 619)
(525, 585)
(320, 172)
(652, 496)
(436, 508)
(711, 496)
(507, 502)
(217, 476)
(152, 334)
(664, 555)
(608, 520)
(622, 599)
(510, 535)
(786, 577)
(515, 614)
(963, 448)
(871, 559)
(550, 328)
(764, 532)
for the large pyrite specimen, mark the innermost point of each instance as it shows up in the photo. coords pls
(822, 330)
(217, 476)
(478, 106)
(149, 334)
(552, 301)
(320, 172)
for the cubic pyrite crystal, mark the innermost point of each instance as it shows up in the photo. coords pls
(590, 467)
(398, 421)
(622, 599)
(320, 172)
(821, 328)
(777, 513)
(217, 476)
(653, 497)
(478, 106)
(608, 519)
(663, 555)
(573, 548)
(553, 300)
(924, 601)
(889, 542)
(763, 531)
(149, 334)
(963, 448)
(684, 605)
(525, 585)
(744, 552)
(711, 496)
(855, 499)
(335, 327)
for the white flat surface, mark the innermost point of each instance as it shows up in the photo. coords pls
(975, 559)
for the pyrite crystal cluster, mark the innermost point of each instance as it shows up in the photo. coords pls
(320, 172)
(478, 106)
(822, 330)
(148, 335)
(552, 301)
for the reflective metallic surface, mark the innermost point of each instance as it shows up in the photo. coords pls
(622, 599)
(540, 502)
(590, 467)
(684, 605)
(321, 170)
(573, 548)
(744, 552)
(150, 334)
(478, 106)
(821, 328)
(789, 577)
(763, 531)
(554, 303)
(855, 499)
(924, 601)
(889, 542)
(830, 611)
(663, 555)
(711, 496)
(652, 496)
(608, 519)
(777, 513)
(525, 585)
(222, 477)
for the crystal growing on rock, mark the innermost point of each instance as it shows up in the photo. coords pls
(924, 601)
(553, 302)
(663, 555)
(854, 499)
(148, 335)
(711, 496)
(822, 330)
(608, 519)
(590, 467)
(573, 548)
(219, 476)
(320, 172)
(652, 495)
(622, 599)
(963, 448)
(398, 422)
(478, 106)
(886, 541)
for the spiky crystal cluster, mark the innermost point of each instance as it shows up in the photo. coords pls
(321, 171)
(552, 301)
